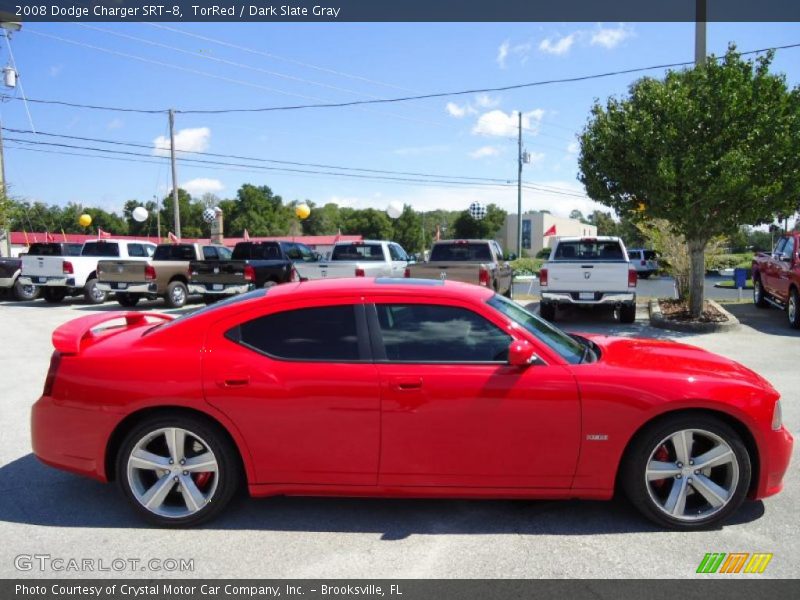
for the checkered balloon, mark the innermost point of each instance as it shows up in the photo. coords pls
(209, 215)
(477, 211)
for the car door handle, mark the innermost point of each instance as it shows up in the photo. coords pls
(407, 384)
(234, 382)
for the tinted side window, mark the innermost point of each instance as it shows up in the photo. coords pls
(72, 249)
(135, 250)
(431, 333)
(780, 245)
(306, 253)
(397, 253)
(210, 253)
(788, 249)
(326, 333)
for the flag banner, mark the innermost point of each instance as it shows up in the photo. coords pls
(550, 231)
(103, 234)
(173, 239)
(246, 236)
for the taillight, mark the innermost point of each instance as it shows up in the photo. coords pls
(294, 276)
(483, 277)
(359, 272)
(542, 277)
(66, 268)
(249, 273)
(407, 272)
(149, 273)
(632, 278)
(55, 360)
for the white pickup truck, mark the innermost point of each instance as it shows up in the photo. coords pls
(588, 271)
(60, 276)
(367, 258)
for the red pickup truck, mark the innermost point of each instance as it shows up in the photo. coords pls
(776, 278)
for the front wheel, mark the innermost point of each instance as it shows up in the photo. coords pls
(178, 470)
(176, 294)
(687, 472)
(793, 309)
(627, 313)
(510, 292)
(758, 293)
(25, 292)
(92, 295)
(548, 311)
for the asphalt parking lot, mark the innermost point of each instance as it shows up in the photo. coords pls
(44, 511)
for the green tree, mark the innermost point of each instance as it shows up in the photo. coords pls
(407, 230)
(708, 149)
(371, 223)
(468, 228)
(259, 211)
(605, 223)
(323, 220)
(147, 227)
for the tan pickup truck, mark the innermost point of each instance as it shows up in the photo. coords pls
(473, 261)
(165, 275)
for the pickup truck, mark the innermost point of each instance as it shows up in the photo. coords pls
(252, 265)
(10, 269)
(587, 271)
(59, 276)
(165, 276)
(368, 258)
(473, 261)
(776, 278)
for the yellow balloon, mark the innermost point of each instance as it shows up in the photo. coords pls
(85, 220)
(302, 211)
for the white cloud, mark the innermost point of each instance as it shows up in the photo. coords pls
(454, 110)
(558, 46)
(573, 147)
(485, 151)
(194, 139)
(486, 101)
(55, 70)
(610, 37)
(500, 123)
(507, 50)
(459, 111)
(115, 123)
(202, 185)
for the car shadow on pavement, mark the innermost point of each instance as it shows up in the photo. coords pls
(35, 494)
(766, 320)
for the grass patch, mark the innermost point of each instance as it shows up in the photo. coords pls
(730, 285)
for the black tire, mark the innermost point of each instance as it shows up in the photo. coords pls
(54, 295)
(793, 308)
(92, 295)
(510, 292)
(627, 313)
(210, 298)
(222, 486)
(128, 300)
(177, 293)
(24, 293)
(759, 295)
(645, 495)
(548, 311)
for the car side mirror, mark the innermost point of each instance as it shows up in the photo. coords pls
(521, 353)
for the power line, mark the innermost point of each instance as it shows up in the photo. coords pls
(383, 100)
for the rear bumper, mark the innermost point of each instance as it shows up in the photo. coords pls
(69, 438)
(775, 454)
(127, 288)
(47, 281)
(227, 289)
(610, 298)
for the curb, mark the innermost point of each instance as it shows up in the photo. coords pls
(657, 320)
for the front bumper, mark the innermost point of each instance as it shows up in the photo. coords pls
(609, 298)
(127, 288)
(224, 290)
(775, 454)
(47, 281)
(7, 282)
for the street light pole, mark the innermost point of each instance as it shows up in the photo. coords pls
(700, 33)
(519, 188)
(177, 208)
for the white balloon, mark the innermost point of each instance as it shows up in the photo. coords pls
(140, 214)
(394, 210)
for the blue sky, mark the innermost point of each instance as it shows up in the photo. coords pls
(278, 64)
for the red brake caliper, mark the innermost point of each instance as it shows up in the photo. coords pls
(202, 479)
(662, 454)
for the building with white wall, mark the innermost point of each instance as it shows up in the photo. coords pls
(539, 230)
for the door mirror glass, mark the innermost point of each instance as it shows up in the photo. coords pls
(521, 353)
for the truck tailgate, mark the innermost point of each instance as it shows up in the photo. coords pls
(129, 271)
(221, 272)
(43, 266)
(594, 277)
(467, 272)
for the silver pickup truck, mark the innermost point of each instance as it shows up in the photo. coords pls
(367, 258)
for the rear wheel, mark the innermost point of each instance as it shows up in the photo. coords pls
(25, 292)
(128, 300)
(178, 470)
(793, 308)
(510, 293)
(92, 295)
(687, 472)
(627, 313)
(210, 298)
(758, 293)
(176, 294)
(548, 311)
(54, 295)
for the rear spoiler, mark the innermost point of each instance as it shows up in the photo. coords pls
(67, 338)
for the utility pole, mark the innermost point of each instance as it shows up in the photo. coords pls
(519, 188)
(4, 198)
(174, 173)
(700, 33)
(158, 216)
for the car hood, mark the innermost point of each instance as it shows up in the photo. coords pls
(668, 357)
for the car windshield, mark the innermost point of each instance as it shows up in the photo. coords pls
(257, 293)
(568, 348)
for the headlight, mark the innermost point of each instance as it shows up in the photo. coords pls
(777, 416)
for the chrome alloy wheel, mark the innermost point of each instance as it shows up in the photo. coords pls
(757, 294)
(172, 472)
(178, 295)
(692, 474)
(791, 308)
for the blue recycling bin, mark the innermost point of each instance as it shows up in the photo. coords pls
(740, 277)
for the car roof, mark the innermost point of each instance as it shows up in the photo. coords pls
(379, 285)
(594, 238)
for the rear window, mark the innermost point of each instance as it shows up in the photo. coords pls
(264, 251)
(357, 252)
(55, 249)
(458, 251)
(590, 250)
(174, 252)
(100, 248)
(650, 254)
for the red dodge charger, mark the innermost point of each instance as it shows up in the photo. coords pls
(402, 388)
